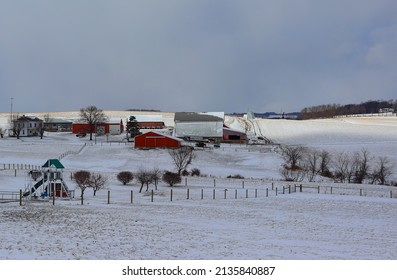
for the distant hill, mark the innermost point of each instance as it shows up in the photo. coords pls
(333, 110)
(270, 115)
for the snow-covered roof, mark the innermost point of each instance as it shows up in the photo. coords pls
(198, 117)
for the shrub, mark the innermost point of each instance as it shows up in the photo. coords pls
(125, 177)
(196, 172)
(237, 176)
(171, 178)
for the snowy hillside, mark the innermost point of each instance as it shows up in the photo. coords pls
(209, 217)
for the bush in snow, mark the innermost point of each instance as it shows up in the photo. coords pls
(125, 177)
(171, 178)
(196, 172)
(82, 179)
(237, 176)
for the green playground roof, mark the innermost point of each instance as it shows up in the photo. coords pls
(54, 162)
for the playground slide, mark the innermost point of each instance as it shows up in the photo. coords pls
(35, 187)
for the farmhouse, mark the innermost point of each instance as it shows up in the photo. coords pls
(152, 140)
(199, 126)
(26, 126)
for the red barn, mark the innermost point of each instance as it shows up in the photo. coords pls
(152, 140)
(101, 128)
(151, 125)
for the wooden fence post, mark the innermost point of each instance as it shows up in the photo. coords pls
(202, 194)
(53, 193)
(108, 197)
(235, 194)
(171, 195)
(318, 189)
(132, 197)
(213, 194)
(267, 192)
(187, 194)
(152, 194)
(20, 197)
(246, 193)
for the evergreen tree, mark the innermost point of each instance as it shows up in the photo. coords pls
(132, 127)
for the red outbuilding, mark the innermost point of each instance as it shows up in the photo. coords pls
(152, 140)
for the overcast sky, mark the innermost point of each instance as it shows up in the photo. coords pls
(195, 55)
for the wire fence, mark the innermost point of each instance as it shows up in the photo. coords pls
(217, 189)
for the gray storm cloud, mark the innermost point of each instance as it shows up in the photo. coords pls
(195, 55)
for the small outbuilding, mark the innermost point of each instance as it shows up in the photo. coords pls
(153, 140)
(234, 136)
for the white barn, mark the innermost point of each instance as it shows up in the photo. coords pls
(199, 126)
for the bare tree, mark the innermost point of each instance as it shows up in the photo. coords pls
(41, 130)
(98, 182)
(156, 176)
(144, 177)
(292, 175)
(293, 155)
(92, 116)
(47, 117)
(82, 179)
(325, 160)
(182, 157)
(362, 167)
(341, 166)
(382, 171)
(311, 165)
(16, 127)
(125, 177)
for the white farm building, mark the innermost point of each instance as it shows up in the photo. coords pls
(199, 126)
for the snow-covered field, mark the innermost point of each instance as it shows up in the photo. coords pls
(261, 223)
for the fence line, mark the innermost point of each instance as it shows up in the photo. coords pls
(9, 196)
(191, 193)
(19, 166)
(72, 152)
(222, 194)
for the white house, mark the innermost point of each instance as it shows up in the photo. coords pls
(26, 126)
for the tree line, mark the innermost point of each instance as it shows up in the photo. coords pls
(301, 163)
(333, 110)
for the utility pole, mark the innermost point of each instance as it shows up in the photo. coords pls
(12, 99)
